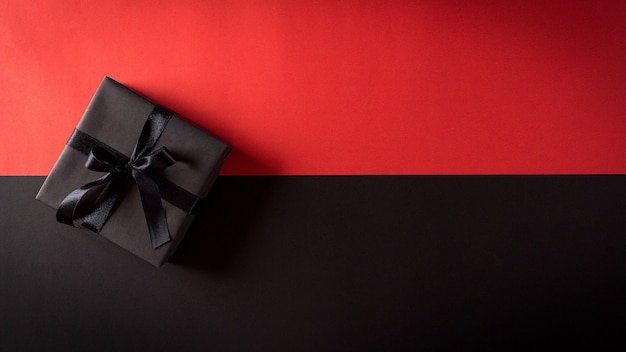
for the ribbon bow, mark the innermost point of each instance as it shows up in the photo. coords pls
(95, 200)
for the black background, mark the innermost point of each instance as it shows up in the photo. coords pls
(332, 264)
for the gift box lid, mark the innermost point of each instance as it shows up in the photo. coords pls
(114, 118)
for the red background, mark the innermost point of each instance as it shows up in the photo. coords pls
(332, 87)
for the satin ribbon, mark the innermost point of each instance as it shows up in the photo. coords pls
(97, 199)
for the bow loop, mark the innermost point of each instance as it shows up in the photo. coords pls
(157, 160)
(100, 159)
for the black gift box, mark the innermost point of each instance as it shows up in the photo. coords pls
(115, 118)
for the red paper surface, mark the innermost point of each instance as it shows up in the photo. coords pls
(332, 87)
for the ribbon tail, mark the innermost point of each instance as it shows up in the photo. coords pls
(153, 209)
(106, 201)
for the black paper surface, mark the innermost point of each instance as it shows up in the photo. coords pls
(409, 263)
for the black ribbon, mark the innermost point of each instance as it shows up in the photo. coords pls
(98, 198)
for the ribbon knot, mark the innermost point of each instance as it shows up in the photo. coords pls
(96, 200)
(100, 159)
